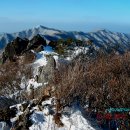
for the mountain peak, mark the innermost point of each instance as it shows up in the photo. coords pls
(104, 31)
(40, 26)
(47, 28)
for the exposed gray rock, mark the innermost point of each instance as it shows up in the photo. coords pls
(46, 73)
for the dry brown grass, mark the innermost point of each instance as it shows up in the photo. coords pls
(57, 120)
(103, 82)
(11, 74)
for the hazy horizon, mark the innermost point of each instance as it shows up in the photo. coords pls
(68, 15)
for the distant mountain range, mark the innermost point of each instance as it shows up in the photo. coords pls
(101, 38)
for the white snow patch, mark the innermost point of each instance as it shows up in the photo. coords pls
(49, 101)
(56, 60)
(79, 50)
(76, 52)
(43, 121)
(46, 83)
(33, 83)
(41, 58)
(74, 121)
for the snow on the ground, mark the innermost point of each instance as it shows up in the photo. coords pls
(40, 61)
(41, 122)
(41, 58)
(74, 120)
(77, 51)
(33, 83)
(49, 101)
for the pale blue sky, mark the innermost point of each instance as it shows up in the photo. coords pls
(79, 15)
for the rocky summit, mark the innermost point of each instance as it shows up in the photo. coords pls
(20, 46)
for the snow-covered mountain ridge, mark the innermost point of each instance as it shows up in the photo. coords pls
(100, 38)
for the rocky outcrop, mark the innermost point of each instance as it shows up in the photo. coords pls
(15, 48)
(35, 42)
(46, 73)
(20, 46)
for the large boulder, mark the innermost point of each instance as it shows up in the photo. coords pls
(46, 73)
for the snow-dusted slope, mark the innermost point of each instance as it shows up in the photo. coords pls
(100, 38)
(76, 121)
